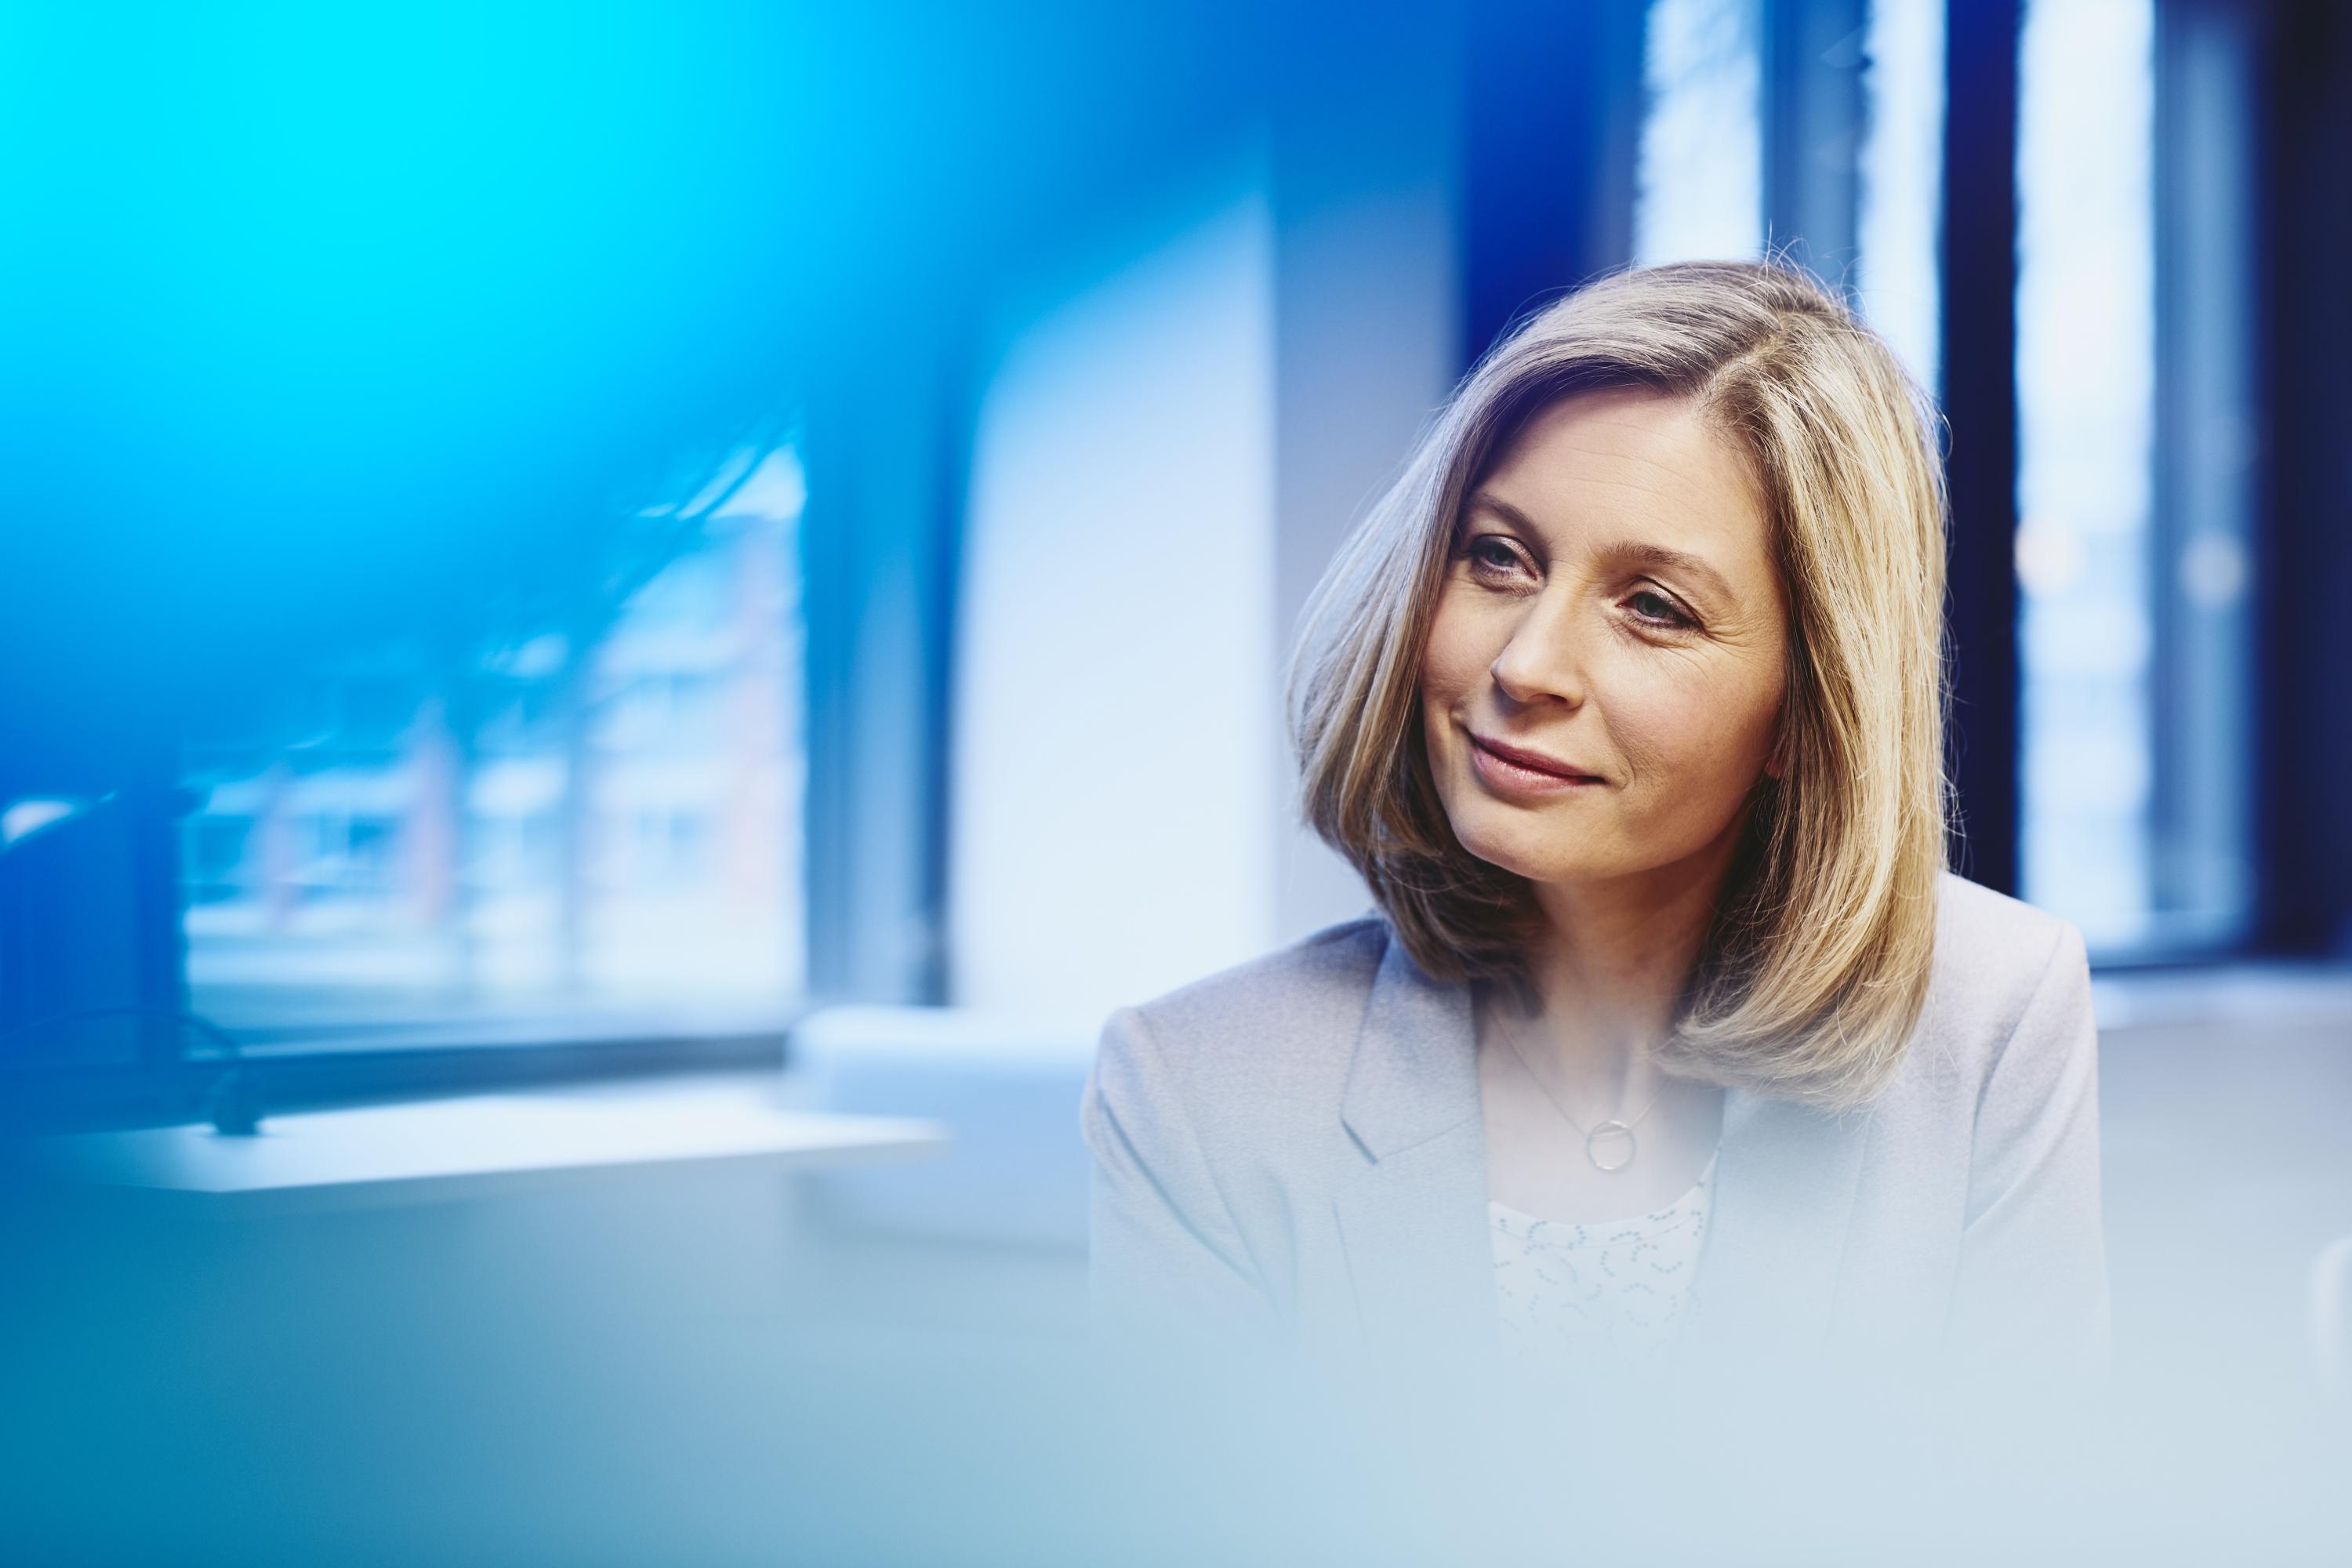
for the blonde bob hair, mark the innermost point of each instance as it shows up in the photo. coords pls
(1815, 968)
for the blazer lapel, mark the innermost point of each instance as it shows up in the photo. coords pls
(1414, 1225)
(1785, 1182)
(1414, 1218)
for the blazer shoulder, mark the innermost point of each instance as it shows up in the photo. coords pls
(1302, 1001)
(1990, 935)
(1993, 953)
(1311, 973)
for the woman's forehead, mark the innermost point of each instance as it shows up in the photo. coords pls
(1624, 449)
(1634, 475)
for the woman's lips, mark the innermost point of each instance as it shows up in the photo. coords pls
(1505, 776)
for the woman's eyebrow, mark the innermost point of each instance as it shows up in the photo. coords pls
(1639, 554)
(1483, 501)
(1658, 556)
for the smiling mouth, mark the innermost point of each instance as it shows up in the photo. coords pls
(1529, 762)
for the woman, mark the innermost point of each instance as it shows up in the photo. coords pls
(1671, 1031)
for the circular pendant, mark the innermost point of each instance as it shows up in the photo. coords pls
(1617, 1136)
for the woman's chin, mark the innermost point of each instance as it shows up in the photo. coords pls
(1520, 860)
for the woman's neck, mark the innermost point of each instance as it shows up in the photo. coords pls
(1612, 968)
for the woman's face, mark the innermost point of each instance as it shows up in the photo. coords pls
(1610, 604)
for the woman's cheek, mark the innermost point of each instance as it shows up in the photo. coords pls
(1714, 729)
(1448, 653)
(1673, 727)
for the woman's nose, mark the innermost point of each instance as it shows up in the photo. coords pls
(1544, 658)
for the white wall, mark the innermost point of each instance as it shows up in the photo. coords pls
(1368, 316)
(1179, 434)
(1111, 835)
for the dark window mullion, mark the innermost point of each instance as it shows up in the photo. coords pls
(1979, 399)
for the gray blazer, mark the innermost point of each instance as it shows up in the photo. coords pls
(1292, 1152)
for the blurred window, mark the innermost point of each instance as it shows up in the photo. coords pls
(1700, 191)
(1700, 181)
(2131, 561)
(1902, 181)
(573, 821)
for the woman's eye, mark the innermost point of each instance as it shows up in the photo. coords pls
(1656, 608)
(1492, 553)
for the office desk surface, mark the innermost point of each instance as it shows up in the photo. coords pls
(432, 1151)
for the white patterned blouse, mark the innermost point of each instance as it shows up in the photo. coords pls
(1611, 1290)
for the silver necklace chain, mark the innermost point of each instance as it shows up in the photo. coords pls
(1609, 1129)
